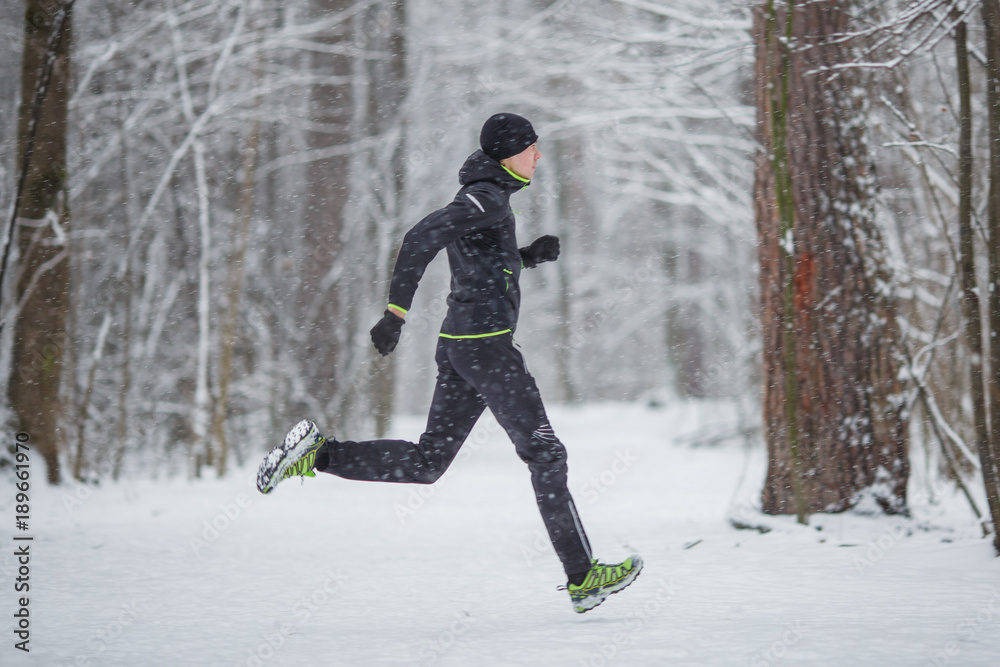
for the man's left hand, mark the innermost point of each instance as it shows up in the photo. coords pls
(543, 249)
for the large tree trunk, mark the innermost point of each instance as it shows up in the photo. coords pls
(42, 288)
(834, 426)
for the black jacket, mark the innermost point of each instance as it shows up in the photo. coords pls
(477, 228)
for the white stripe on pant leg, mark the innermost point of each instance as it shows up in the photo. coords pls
(544, 433)
(579, 529)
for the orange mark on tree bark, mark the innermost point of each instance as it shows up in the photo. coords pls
(805, 273)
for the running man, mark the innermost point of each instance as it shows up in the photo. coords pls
(478, 365)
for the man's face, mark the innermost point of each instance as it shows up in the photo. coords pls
(523, 164)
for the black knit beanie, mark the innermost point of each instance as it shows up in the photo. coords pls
(505, 135)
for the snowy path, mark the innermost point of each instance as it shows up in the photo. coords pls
(333, 572)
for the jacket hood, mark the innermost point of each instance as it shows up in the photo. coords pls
(481, 167)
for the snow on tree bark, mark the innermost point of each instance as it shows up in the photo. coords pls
(833, 412)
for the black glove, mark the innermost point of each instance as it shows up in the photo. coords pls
(385, 333)
(543, 249)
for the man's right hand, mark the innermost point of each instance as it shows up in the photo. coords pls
(385, 333)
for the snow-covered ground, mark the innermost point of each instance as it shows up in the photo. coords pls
(335, 572)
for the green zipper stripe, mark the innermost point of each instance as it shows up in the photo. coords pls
(485, 335)
(520, 178)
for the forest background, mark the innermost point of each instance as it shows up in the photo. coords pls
(239, 174)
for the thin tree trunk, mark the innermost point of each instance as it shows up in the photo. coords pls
(127, 288)
(568, 190)
(42, 289)
(234, 279)
(203, 453)
(201, 448)
(377, 185)
(81, 420)
(326, 190)
(988, 447)
(234, 287)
